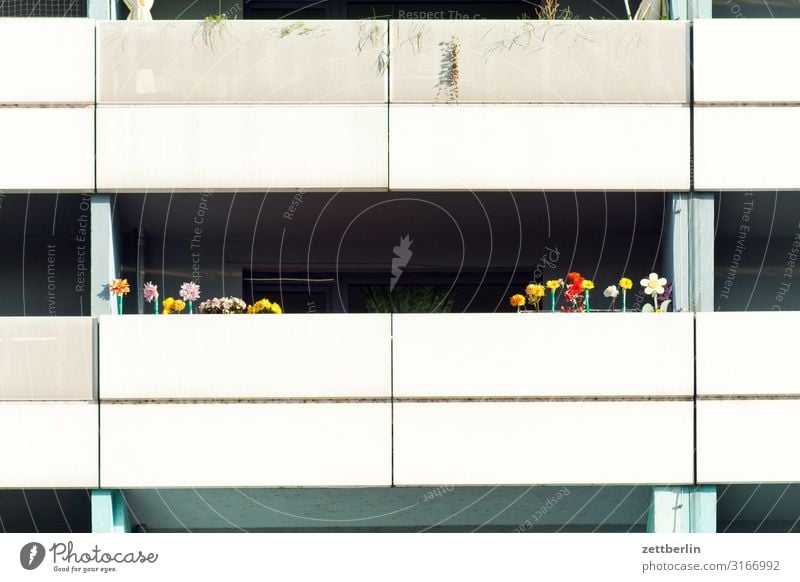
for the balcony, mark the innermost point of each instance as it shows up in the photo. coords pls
(290, 400)
(241, 105)
(748, 398)
(252, 105)
(490, 398)
(306, 400)
(520, 104)
(747, 119)
(411, 400)
(47, 104)
(48, 416)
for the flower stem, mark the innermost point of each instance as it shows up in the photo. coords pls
(588, 309)
(624, 300)
(191, 307)
(655, 301)
(155, 305)
(552, 300)
(119, 304)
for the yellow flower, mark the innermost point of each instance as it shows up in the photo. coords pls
(517, 300)
(553, 284)
(534, 291)
(587, 285)
(626, 283)
(179, 305)
(264, 306)
(167, 304)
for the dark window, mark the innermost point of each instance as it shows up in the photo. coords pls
(44, 8)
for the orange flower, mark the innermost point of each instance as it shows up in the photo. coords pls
(119, 287)
(517, 301)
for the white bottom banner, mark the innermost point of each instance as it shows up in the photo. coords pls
(400, 557)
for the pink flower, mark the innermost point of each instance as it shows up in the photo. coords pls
(150, 292)
(190, 291)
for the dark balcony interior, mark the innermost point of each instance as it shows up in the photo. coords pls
(757, 251)
(45, 511)
(317, 251)
(44, 254)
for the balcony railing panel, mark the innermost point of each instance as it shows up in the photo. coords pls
(578, 147)
(746, 60)
(46, 358)
(529, 61)
(46, 61)
(277, 147)
(598, 354)
(46, 148)
(748, 441)
(543, 398)
(516, 443)
(279, 61)
(245, 356)
(748, 395)
(241, 445)
(746, 148)
(747, 353)
(48, 444)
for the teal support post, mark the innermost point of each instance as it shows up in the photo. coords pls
(690, 9)
(103, 9)
(105, 254)
(683, 509)
(689, 251)
(109, 512)
(701, 251)
(676, 251)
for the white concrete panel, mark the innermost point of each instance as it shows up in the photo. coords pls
(48, 444)
(516, 443)
(744, 148)
(245, 445)
(316, 355)
(46, 358)
(746, 353)
(253, 61)
(512, 354)
(47, 60)
(745, 60)
(47, 148)
(748, 441)
(529, 61)
(242, 148)
(488, 147)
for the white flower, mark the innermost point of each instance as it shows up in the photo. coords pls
(611, 291)
(653, 284)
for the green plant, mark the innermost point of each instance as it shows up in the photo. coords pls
(213, 25)
(448, 71)
(550, 10)
(370, 34)
(408, 299)
(299, 28)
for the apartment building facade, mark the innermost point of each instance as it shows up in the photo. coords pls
(322, 160)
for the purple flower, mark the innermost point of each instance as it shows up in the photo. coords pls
(190, 291)
(667, 294)
(150, 292)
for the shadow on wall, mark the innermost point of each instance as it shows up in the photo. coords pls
(44, 254)
(757, 251)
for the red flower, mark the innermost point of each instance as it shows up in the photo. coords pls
(573, 276)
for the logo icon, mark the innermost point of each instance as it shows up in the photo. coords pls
(402, 256)
(31, 555)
